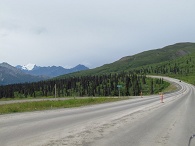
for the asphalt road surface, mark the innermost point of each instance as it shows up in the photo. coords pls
(135, 122)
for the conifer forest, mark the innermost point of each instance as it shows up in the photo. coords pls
(125, 84)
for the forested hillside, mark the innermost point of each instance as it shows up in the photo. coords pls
(182, 68)
(150, 57)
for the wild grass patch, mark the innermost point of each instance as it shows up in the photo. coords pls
(53, 104)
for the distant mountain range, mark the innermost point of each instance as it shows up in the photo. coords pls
(11, 75)
(50, 71)
(32, 73)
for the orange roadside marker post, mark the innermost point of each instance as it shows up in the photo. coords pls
(161, 97)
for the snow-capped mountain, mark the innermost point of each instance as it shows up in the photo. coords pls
(12, 75)
(50, 71)
(26, 67)
(32, 73)
(29, 66)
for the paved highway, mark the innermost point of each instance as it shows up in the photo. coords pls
(140, 122)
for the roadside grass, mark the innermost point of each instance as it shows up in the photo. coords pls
(54, 104)
(189, 78)
(24, 98)
(171, 88)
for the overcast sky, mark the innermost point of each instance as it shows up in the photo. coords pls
(90, 32)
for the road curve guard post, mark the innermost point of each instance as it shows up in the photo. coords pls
(55, 90)
(141, 94)
(119, 86)
(161, 97)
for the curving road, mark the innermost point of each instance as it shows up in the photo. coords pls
(140, 122)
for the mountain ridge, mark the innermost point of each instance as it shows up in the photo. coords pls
(12, 75)
(19, 74)
(127, 63)
(51, 71)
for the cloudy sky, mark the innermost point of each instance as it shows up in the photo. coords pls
(90, 32)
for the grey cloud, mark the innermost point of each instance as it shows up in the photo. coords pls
(88, 31)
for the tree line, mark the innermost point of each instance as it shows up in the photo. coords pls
(98, 85)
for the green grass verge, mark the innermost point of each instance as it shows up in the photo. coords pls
(46, 105)
(189, 79)
(172, 87)
(27, 98)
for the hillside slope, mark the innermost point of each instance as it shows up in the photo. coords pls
(182, 68)
(167, 53)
